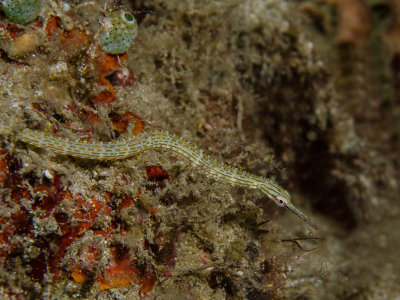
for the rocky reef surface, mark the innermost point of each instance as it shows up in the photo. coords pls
(304, 92)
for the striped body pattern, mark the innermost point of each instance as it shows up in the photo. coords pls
(158, 140)
(129, 147)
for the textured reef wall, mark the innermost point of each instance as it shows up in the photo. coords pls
(292, 90)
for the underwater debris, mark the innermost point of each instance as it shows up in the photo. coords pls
(22, 11)
(120, 31)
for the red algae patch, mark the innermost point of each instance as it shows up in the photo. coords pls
(106, 96)
(4, 171)
(107, 64)
(156, 173)
(53, 26)
(122, 121)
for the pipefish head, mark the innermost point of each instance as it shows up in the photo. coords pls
(282, 198)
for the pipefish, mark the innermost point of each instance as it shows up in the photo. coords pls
(158, 140)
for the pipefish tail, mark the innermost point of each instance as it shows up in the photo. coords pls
(159, 140)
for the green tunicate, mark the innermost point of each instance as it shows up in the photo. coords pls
(119, 34)
(22, 11)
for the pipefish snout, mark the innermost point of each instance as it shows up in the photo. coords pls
(161, 140)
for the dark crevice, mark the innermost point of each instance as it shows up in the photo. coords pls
(328, 195)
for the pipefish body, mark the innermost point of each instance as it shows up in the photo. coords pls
(159, 140)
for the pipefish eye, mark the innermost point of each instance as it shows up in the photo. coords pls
(281, 201)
